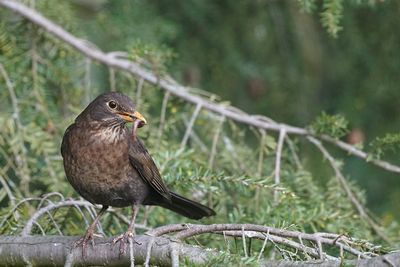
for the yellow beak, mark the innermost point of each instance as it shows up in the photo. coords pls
(131, 117)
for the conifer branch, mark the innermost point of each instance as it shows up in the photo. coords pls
(356, 203)
(118, 61)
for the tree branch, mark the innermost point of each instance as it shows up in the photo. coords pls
(359, 207)
(282, 236)
(55, 250)
(114, 60)
(26, 231)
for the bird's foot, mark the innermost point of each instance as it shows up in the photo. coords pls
(123, 240)
(83, 241)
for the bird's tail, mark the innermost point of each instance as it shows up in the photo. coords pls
(187, 207)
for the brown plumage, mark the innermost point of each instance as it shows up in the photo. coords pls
(109, 165)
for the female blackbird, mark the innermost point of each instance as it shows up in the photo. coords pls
(109, 166)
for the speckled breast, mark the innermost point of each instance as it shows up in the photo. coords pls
(99, 169)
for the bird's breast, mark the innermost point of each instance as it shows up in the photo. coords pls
(101, 151)
(109, 135)
(97, 166)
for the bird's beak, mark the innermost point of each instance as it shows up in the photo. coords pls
(131, 117)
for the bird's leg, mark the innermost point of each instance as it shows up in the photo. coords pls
(90, 232)
(124, 238)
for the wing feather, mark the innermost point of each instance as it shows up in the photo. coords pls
(141, 160)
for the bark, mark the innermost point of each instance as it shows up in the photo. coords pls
(390, 260)
(57, 251)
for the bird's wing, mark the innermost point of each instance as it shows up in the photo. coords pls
(141, 160)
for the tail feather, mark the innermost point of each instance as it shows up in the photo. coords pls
(187, 207)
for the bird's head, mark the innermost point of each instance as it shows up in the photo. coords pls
(112, 108)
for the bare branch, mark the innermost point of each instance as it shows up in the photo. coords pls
(28, 226)
(359, 207)
(10, 195)
(196, 138)
(190, 125)
(112, 79)
(139, 92)
(25, 251)
(282, 135)
(278, 240)
(56, 251)
(215, 142)
(64, 203)
(88, 81)
(259, 231)
(162, 116)
(166, 229)
(261, 153)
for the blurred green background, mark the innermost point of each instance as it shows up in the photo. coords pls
(277, 58)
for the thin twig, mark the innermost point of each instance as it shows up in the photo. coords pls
(263, 246)
(40, 228)
(21, 160)
(195, 138)
(277, 239)
(148, 251)
(166, 229)
(112, 79)
(15, 209)
(78, 208)
(243, 242)
(10, 195)
(261, 153)
(139, 89)
(190, 126)
(236, 162)
(131, 254)
(279, 147)
(189, 230)
(260, 166)
(356, 203)
(29, 224)
(215, 142)
(292, 150)
(162, 116)
(88, 81)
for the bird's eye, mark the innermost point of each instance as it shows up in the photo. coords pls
(112, 104)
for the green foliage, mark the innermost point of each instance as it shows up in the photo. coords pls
(331, 16)
(308, 5)
(381, 145)
(157, 58)
(333, 125)
(332, 12)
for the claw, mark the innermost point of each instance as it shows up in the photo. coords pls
(89, 235)
(123, 240)
(84, 240)
(128, 235)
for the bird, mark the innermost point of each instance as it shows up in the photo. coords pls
(109, 165)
